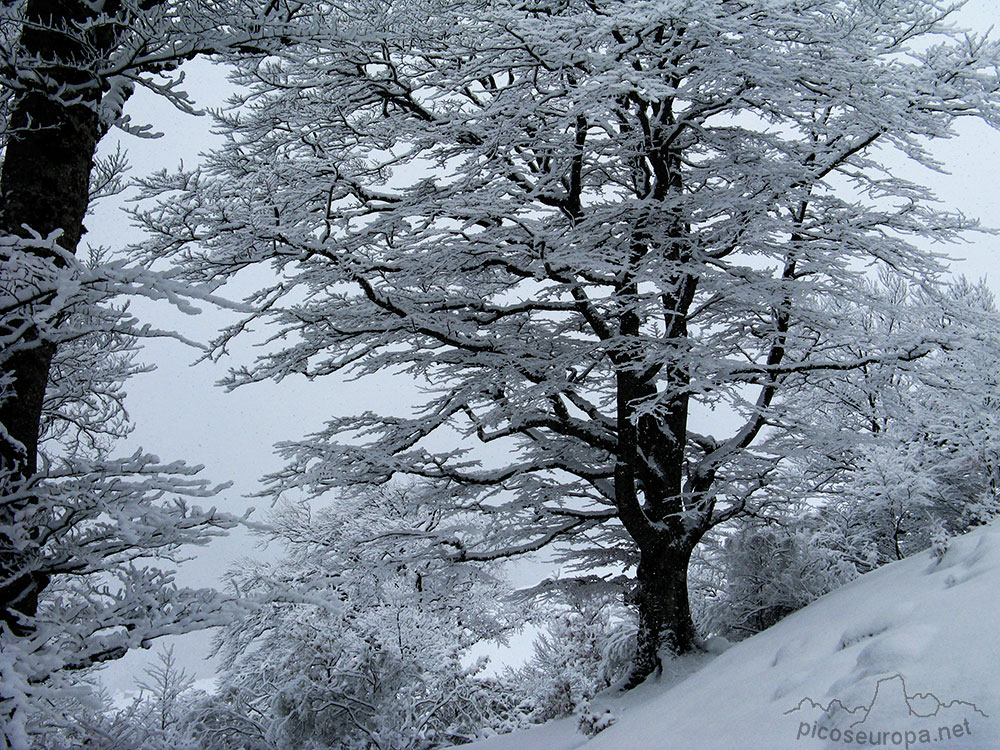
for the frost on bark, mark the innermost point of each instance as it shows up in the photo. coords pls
(579, 228)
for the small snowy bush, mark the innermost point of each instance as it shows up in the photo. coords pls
(359, 637)
(155, 718)
(591, 723)
(761, 573)
(584, 649)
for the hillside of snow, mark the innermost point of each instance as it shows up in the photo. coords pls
(907, 656)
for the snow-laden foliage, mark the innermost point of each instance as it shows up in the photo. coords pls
(574, 226)
(361, 639)
(757, 573)
(156, 716)
(98, 55)
(95, 533)
(922, 466)
(927, 459)
(585, 648)
(87, 538)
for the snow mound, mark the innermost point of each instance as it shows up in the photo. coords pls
(907, 656)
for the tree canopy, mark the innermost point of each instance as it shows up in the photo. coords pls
(579, 227)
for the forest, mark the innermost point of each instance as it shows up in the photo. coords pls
(678, 335)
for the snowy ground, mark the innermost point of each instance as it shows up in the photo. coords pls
(905, 657)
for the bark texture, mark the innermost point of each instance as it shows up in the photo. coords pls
(44, 188)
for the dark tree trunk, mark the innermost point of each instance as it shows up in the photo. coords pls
(649, 495)
(44, 186)
(661, 597)
(664, 519)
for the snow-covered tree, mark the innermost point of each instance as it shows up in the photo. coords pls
(86, 538)
(89, 538)
(926, 458)
(585, 647)
(361, 639)
(156, 717)
(578, 226)
(920, 464)
(756, 573)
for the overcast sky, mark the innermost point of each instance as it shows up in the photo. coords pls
(180, 414)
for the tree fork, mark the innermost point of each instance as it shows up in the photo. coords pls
(665, 546)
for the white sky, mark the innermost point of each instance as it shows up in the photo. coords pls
(180, 414)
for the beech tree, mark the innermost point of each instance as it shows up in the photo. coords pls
(577, 227)
(78, 526)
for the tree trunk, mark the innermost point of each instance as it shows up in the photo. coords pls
(44, 186)
(665, 624)
(650, 460)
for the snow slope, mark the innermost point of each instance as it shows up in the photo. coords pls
(907, 656)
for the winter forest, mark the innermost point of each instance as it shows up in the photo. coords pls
(665, 366)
